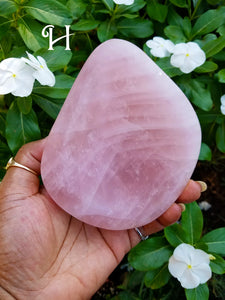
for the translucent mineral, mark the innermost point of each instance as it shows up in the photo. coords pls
(125, 142)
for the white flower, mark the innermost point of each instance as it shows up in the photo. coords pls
(160, 47)
(16, 77)
(125, 2)
(187, 56)
(190, 266)
(41, 70)
(222, 107)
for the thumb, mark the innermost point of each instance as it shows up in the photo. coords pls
(21, 181)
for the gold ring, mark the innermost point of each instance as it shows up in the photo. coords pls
(13, 163)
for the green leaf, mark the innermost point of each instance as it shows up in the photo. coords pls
(192, 223)
(218, 265)
(60, 90)
(135, 278)
(205, 153)
(77, 8)
(135, 7)
(85, 25)
(208, 22)
(157, 11)
(106, 31)
(30, 31)
(4, 152)
(2, 124)
(50, 106)
(135, 28)
(174, 18)
(125, 295)
(8, 7)
(187, 27)
(20, 128)
(207, 67)
(220, 137)
(221, 76)
(165, 65)
(213, 47)
(221, 30)
(175, 235)
(4, 26)
(215, 240)
(49, 11)
(57, 59)
(157, 278)
(199, 293)
(179, 3)
(109, 4)
(175, 33)
(24, 104)
(150, 254)
(198, 94)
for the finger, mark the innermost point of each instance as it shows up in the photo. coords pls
(22, 181)
(170, 216)
(192, 191)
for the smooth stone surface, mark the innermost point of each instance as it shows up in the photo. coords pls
(125, 142)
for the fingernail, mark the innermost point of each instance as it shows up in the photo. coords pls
(203, 185)
(182, 206)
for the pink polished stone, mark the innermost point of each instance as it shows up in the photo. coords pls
(125, 142)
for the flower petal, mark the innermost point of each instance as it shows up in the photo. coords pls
(222, 100)
(189, 280)
(12, 64)
(42, 62)
(8, 86)
(160, 52)
(177, 60)
(188, 66)
(203, 272)
(222, 108)
(200, 257)
(125, 2)
(176, 267)
(184, 253)
(45, 77)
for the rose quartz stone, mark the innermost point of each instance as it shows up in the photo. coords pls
(125, 142)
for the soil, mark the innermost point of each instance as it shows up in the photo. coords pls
(214, 175)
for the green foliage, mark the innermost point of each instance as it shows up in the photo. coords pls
(157, 278)
(215, 240)
(147, 255)
(20, 128)
(150, 255)
(205, 153)
(199, 293)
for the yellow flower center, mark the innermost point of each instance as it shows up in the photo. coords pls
(189, 266)
(41, 67)
(187, 54)
(14, 75)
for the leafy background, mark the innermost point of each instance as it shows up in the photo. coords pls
(92, 22)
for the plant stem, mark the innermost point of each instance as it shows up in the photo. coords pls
(196, 8)
(189, 8)
(141, 288)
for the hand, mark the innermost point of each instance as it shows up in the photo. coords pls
(47, 254)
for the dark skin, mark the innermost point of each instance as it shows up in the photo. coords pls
(47, 254)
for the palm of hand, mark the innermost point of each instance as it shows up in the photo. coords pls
(53, 249)
(47, 254)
